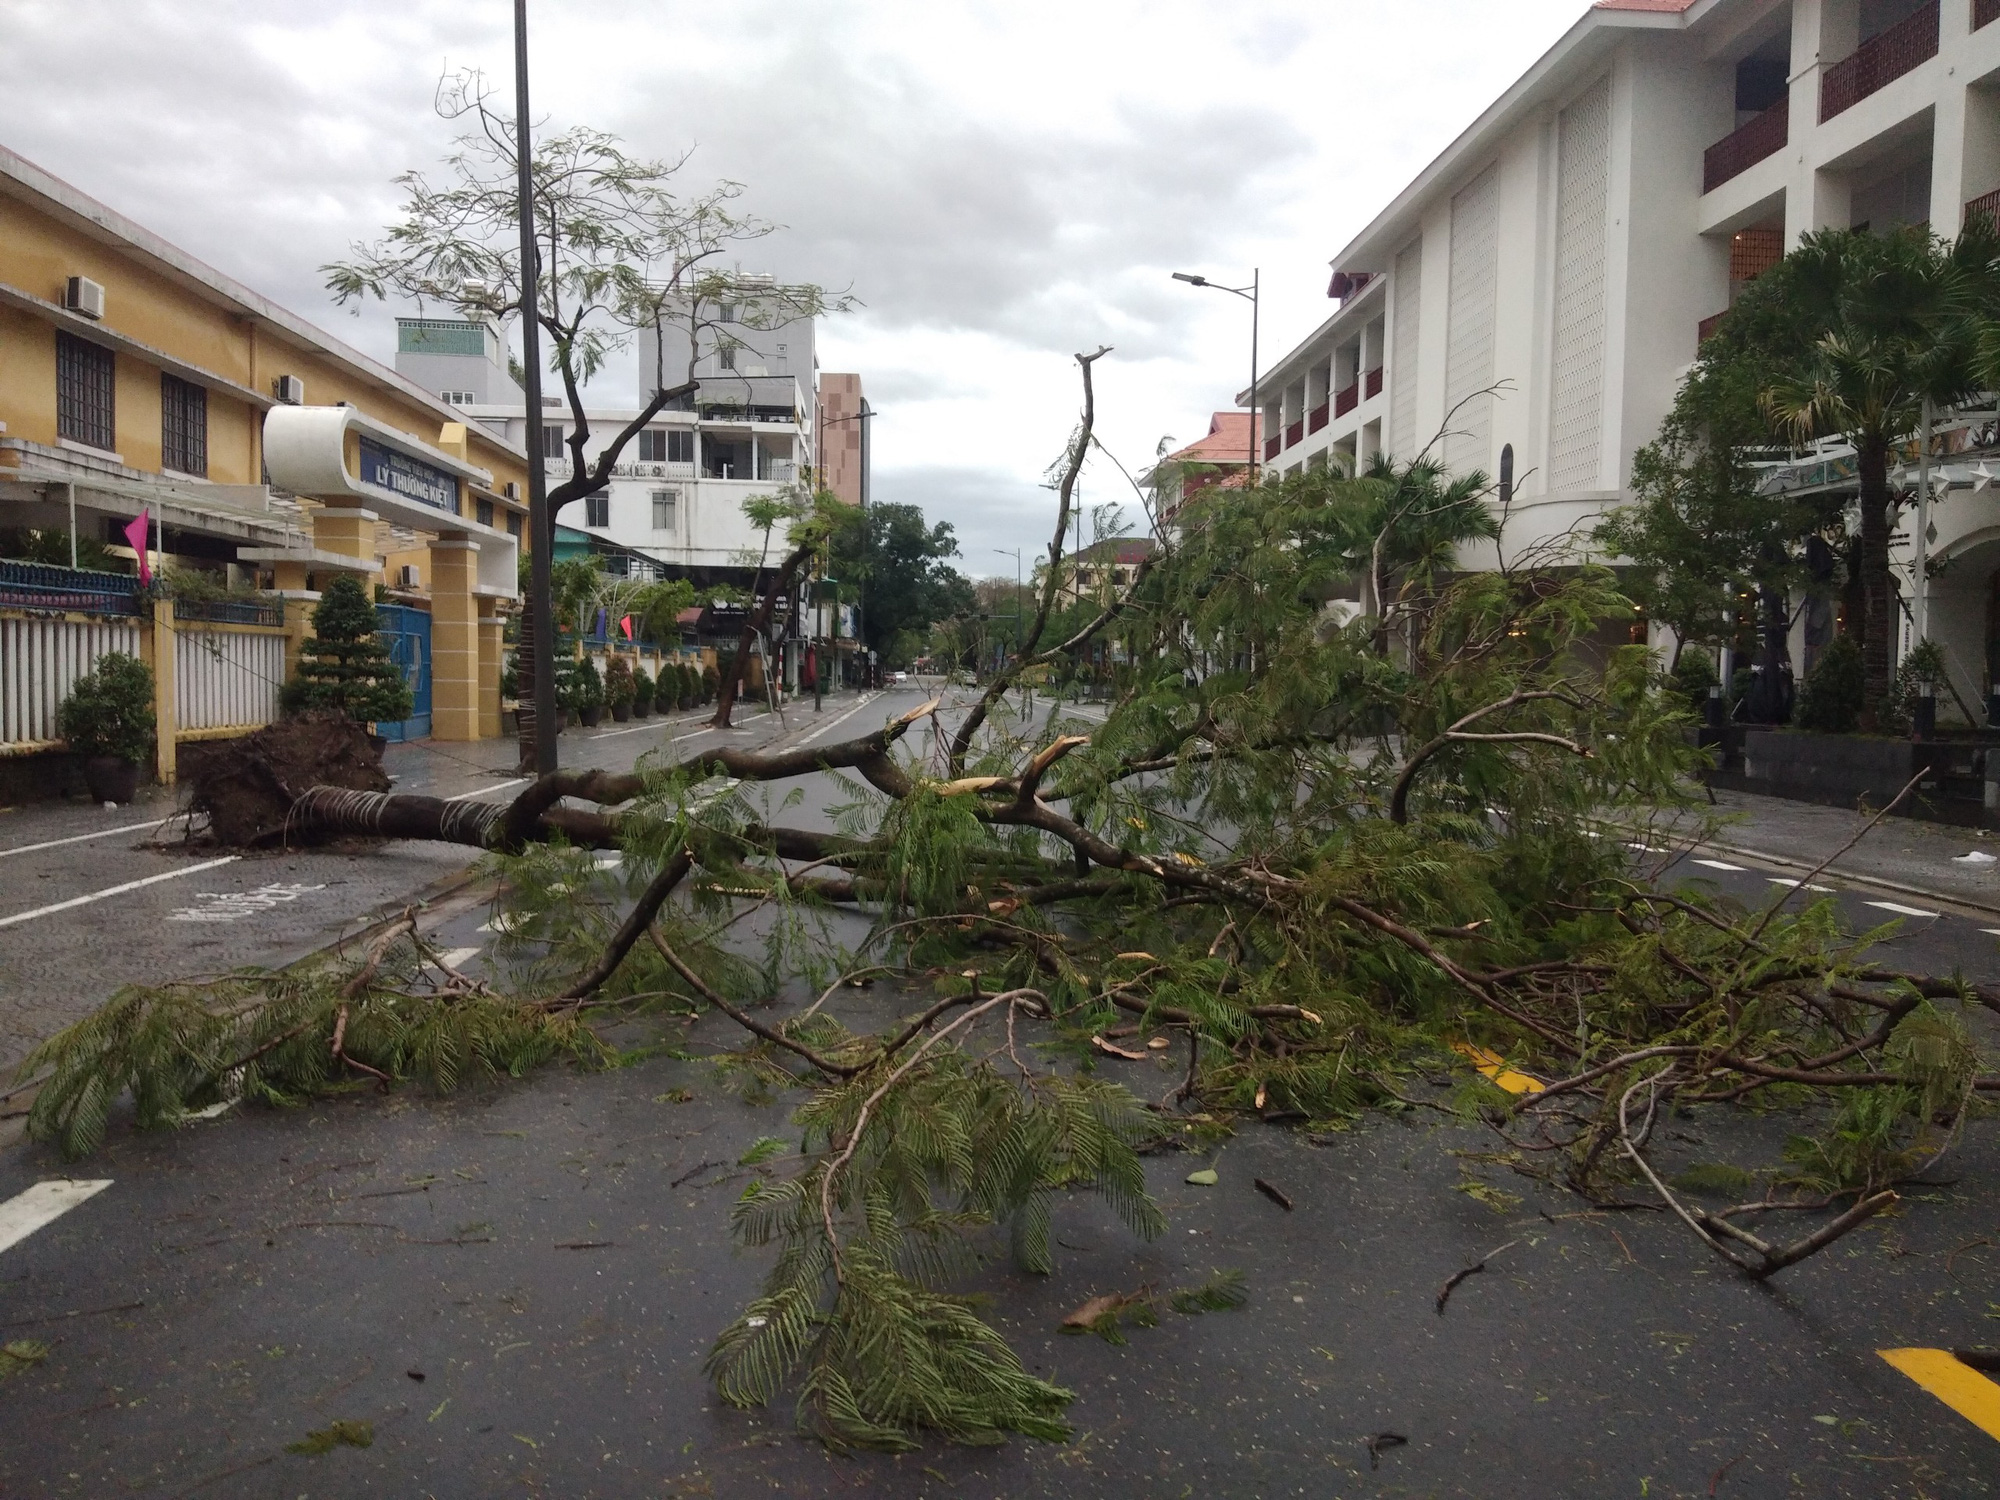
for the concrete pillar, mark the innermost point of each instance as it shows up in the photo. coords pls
(492, 651)
(166, 692)
(455, 653)
(351, 533)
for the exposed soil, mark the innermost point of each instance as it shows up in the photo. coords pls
(247, 786)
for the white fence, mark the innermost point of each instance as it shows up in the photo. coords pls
(226, 678)
(41, 659)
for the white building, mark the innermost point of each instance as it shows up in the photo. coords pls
(1569, 246)
(677, 492)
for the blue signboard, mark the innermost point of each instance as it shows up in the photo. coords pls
(410, 478)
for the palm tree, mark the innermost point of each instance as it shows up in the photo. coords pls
(1879, 324)
(1411, 529)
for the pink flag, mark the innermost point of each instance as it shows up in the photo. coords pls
(136, 535)
(626, 625)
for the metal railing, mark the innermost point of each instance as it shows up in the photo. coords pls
(231, 611)
(1345, 401)
(1987, 205)
(1317, 417)
(1879, 61)
(26, 585)
(1746, 145)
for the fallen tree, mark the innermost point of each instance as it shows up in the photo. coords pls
(1329, 868)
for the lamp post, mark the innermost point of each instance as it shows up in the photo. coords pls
(541, 530)
(1248, 294)
(1015, 553)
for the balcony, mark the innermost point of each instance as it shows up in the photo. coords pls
(1295, 433)
(1984, 11)
(1372, 386)
(1316, 418)
(1879, 61)
(1987, 206)
(1747, 145)
(1707, 326)
(1272, 447)
(1345, 401)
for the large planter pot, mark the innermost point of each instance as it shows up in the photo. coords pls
(664, 705)
(592, 716)
(642, 708)
(111, 778)
(1841, 770)
(621, 713)
(510, 723)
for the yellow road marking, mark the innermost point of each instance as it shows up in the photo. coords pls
(1957, 1385)
(1494, 1066)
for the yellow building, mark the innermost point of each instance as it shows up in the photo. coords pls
(135, 379)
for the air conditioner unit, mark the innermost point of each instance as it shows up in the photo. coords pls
(290, 390)
(84, 296)
(408, 576)
(513, 490)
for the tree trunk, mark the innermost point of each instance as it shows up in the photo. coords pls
(525, 657)
(725, 698)
(1878, 592)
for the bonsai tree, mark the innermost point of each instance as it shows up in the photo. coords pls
(586, 692)
(1835, 690)
(109, 713)
(711, 683)
(643, 688)
(676, 686)
(619, 688)
(690, 687)
(344, 669)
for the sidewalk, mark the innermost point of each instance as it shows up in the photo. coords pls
(1898, 853)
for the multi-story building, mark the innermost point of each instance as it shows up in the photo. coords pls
(844, 439)
(1222, 456)
(676, 494)
(137, 381)
(1545, 281)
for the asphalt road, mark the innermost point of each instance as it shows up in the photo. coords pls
(551, 1257)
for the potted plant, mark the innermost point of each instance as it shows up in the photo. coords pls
(345, 668)
(642, 693)
(588, 690)
(619, 688)
(690, 687)
(108, 720)
(667, 692)
(711, 684)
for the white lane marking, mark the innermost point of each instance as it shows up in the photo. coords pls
(1718, 864)
(80, 838)
(233, 906)
(1991, 931)
(498, 786)
(44, 1203)
(1781, 880)
(833, 724)
(609, 734)
(458, 958)
(1645, 848)
(501, 924)
(607, 859)
(1900, 910)
(116, 890)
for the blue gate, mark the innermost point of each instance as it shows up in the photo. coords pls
(407, 634)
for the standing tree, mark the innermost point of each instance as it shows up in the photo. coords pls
(344, 668)
(618, 251)
(903, 565)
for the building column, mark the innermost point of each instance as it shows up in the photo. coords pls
(166, 690)
(348, 532)
(455, 653)
(492, 654)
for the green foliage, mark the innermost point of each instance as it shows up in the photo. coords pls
(643, 686)
(334, 1435)
(902, 566)
(1831, 700)
(1222, 1292)
(580, 687)
(51, 548)
(1694, 674)
(620, 686)
(946, 1144)
(20, 1355)
(344, 668)
(110, 710)
(711, 684)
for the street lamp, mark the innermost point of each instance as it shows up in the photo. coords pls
(1248, 294)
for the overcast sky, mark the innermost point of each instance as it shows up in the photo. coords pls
(999, 185)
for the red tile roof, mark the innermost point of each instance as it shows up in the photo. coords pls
(1228, 441)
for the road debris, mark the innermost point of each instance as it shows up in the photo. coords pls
(1444, 1294)
(1272, 1193)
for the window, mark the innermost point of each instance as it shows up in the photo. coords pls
(666, 506)
(728, 312)
(552, 442)
(84, 410)
(680, 446)
(597, 509)
(459, 398)
(652, 446)
(726, 356)
(183, 426)
(514, 525)
(485, 512)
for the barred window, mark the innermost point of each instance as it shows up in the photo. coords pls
(84, 380)
(597, 509)
(485, 512)
(680, 446)
(726, 356)
(666, 507)
(183, 426)
(552, 442)
(514, 525)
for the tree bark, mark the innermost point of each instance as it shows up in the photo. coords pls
(1878, 592)
(725, 697)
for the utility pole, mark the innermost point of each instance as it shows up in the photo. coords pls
(541, 526)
